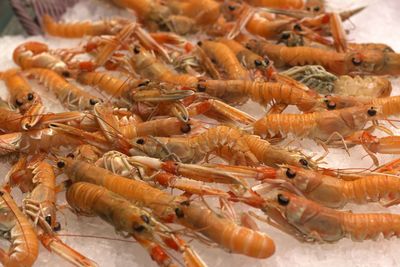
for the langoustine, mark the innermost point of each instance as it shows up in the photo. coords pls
(334, 192)
(311, 222)
(164, 205)
(351, 62)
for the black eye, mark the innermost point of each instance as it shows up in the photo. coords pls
(139, 228)
(61, 164)
(356, 61)
(257, 62)
(179, 213)
(186, 128)
(282, 200)
(330, 105)
(140, 141)
(316, 9)
(185, 203)
(93, 102)
(57, 227)
(285, 36)
(199, 43)
(66, 74)
(308, 8)
(371, 112)
(18, 102)
(201, 87)
(48, 219)
(30, 96)
(144, 83)
(290, 173)
(266, 61)
(136, 49)
(297, 27)
(303, 162)
(231, 8)
(145, 218)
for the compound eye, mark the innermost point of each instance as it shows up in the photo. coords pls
(145, 218)
(48, 219)
(136, 49)
(139, 228)
(372, 112)
(201, 87)
(144, 83)
(185, 203)
(331, 105)
(57, 227)
(303, 162)
(231, 8)
(61, 164)
(30, 96)
(297, 27)
(285, 36)
(179, 213)
(290, 173)
(140, 141)
(282, 200)
(257, 62)
(19, 103)
(66, 74)
(186, 128)
(356, 61)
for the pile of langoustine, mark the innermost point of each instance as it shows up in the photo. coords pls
(123, 152)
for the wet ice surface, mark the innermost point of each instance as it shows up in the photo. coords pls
(378, 23)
